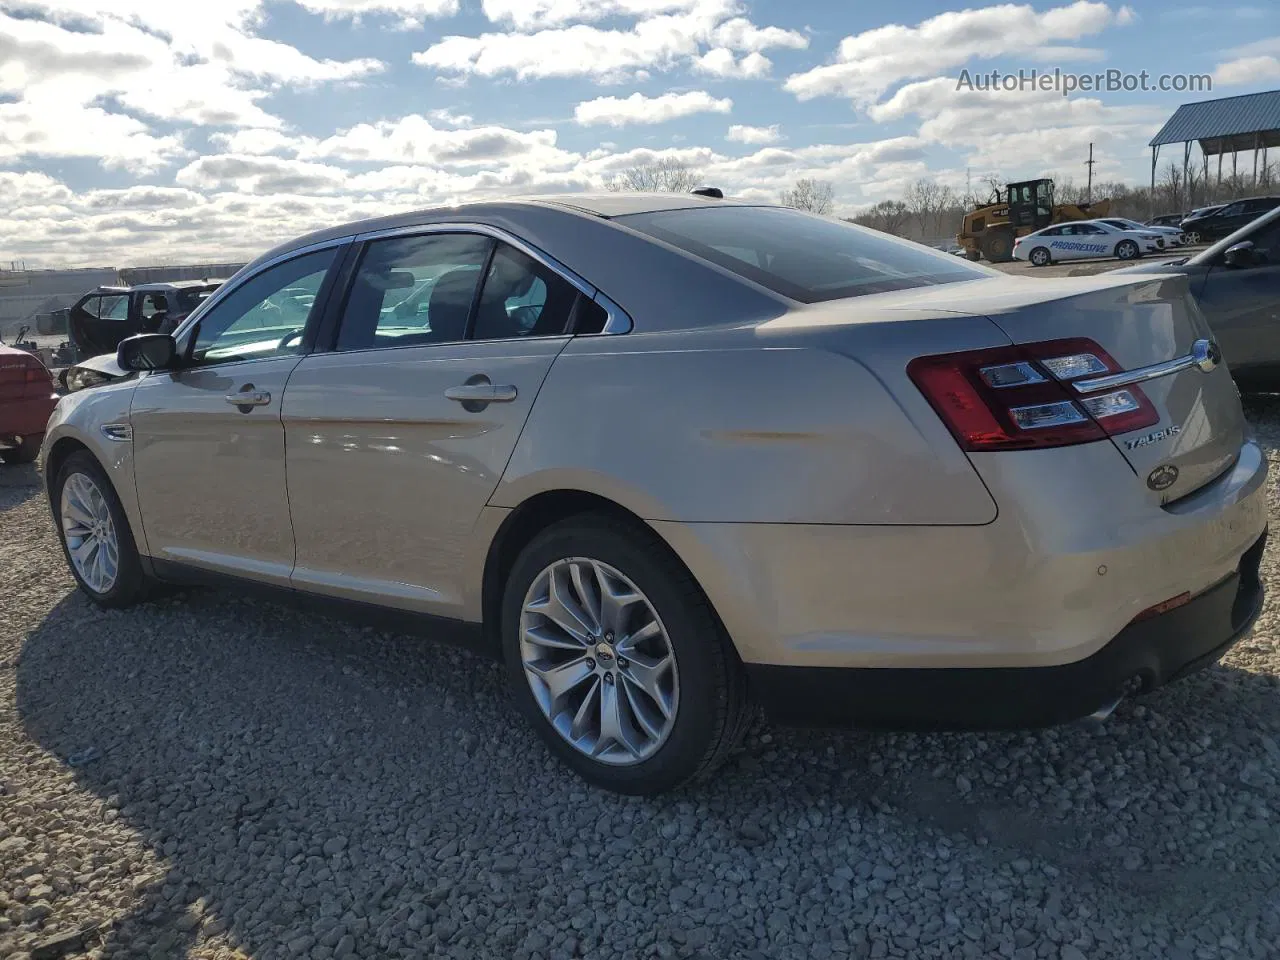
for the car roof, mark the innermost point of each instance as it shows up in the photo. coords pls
(176, 285)
(511, 210)
(160, 287)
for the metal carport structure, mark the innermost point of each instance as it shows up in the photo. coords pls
(1228, 125)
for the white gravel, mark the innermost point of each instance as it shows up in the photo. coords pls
(211, 776)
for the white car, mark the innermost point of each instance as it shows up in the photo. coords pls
(1084, 240)
(1173, 236)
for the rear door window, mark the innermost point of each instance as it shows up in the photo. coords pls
(803, 257)
(522, 298)
(410, 291)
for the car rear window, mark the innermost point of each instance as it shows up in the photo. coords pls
(804, 257)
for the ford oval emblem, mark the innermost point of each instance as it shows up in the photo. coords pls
(1162, 477)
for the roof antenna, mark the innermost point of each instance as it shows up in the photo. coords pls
(714, 192)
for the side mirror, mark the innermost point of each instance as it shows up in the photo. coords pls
(147, 351)
(1239, 254)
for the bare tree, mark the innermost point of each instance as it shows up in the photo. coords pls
(816, 196)
(662, 176)
(889, 216)
(924, 198)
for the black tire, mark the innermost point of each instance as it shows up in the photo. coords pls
(132, 585)
(1040, 257)
(713, 711)
(973, 255)
(997, 246)
(25, 452)
(1127, 250)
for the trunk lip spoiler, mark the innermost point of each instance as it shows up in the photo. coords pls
(1205, 355)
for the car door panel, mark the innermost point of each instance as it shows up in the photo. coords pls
(1242, 304)
(210, 474)
(388, 476)
(209, 445)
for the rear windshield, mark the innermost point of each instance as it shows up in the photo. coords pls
(801, 256)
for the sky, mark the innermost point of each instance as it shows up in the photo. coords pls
(169, 131)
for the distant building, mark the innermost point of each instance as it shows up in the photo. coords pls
(26, 296)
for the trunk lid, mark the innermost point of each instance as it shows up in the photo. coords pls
(1147, 324)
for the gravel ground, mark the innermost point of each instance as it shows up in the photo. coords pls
(211, 776)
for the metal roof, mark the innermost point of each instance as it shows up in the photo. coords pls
(1232, 123)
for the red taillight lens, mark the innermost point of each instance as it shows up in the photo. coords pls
(1020, 397)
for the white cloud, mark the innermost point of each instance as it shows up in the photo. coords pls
(411, 12)
(870, 63)
(413, 139)
(637, 108)
(1032, 130)
(531, 14)
(86, 78)
(720, 62)
(739, 133)
(1247, 70)
(259, 140)
(653, 43)
(1256, 62)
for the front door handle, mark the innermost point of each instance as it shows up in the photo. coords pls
(482, 393)
(249, 397)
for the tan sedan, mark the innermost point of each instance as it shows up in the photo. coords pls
(675, 456)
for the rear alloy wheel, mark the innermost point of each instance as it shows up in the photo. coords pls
(1127, 250)
(26, 451)
(616, 659)
(1040, 257)
(95, 534)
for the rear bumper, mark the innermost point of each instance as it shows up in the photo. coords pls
(1143, 656)
(25, 418)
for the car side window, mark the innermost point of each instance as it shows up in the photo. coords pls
(108, 308)
(266, 315)
(1052, 232)
(1231, 209)
(410, 291)
(522, 298)
(152, 304)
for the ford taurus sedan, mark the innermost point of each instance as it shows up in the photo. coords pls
(676, 457)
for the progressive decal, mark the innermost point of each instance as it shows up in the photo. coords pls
(1077, 245)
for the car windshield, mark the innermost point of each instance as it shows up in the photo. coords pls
(804, 257)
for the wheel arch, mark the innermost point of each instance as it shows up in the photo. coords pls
(530, 518)
(63, 448)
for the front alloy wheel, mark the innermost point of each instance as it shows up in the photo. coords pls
(90, 533)
(95, 534)
(1126, 250)
(599, 661)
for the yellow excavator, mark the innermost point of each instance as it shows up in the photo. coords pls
(1022, 208)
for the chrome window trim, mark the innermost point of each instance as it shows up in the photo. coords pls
(619, 321)
(243, 277)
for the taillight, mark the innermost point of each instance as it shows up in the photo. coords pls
(1019, 397)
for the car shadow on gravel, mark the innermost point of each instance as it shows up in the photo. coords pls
(313, 788)
(18, 484)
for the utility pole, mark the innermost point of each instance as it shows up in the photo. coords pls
(1088, 190)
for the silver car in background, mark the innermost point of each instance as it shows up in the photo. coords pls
(674, 457)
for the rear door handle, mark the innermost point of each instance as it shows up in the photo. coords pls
(249, 398)
(482, 393)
